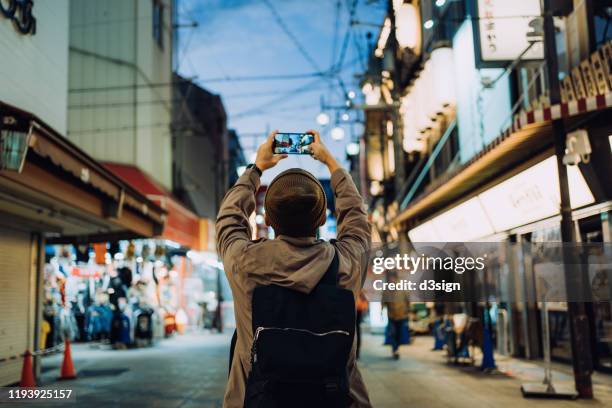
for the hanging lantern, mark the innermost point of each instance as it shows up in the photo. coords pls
(407, 26)
(442, 64)
(421, 94)
(428, 83)
(411, 142)
(371, 93)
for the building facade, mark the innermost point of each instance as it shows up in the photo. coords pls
(206, 154)
(120, 87)
(462, 135)
(50, 190)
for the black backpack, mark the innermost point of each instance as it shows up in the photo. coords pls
(301, 345)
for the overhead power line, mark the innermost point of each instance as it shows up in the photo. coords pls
(291, 36)
(282, 98)
(280, 77)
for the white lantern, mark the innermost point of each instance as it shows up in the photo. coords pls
(422, 120)
(371, 93)
(428, 84)
(407, 26)
(442, 63)
(382, 39)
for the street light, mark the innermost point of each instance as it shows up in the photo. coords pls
(323, 119)
(352, 149)
(351, 94)
(440, 3)
(337, 133)
(14, 142)
(428, 24)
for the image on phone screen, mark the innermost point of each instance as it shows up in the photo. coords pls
(292, 143)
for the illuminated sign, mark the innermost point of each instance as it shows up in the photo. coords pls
(507, 29)
(20, 13)
(529, 196)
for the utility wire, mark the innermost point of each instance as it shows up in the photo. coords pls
(280, 77)
(284, 97)
(298, 44)
(117, 104)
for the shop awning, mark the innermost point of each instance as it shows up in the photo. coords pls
(529, 136)
(182, 225)
(65, 193)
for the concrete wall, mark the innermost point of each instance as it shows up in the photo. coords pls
(118, 109)
(34, 68)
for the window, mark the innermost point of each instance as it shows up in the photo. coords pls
(158, 22)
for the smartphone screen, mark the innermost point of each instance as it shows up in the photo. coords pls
(292, 143)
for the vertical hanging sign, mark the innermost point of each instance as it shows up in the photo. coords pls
(507, 30)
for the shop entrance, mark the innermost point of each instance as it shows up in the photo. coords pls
(15, 301)
(600, 310)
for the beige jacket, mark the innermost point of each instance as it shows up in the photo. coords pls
(296, 263)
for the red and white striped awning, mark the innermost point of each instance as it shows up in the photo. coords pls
(561, 110)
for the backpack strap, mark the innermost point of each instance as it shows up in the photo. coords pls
(331, 276)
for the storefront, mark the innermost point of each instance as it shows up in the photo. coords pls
(193, 287)
(51, 191)
(519, 204)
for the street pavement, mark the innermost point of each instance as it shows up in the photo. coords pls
(421, 378)
(190, 371)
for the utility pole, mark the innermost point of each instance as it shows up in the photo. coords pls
(398, 124)
(398, 128)
(582, 360)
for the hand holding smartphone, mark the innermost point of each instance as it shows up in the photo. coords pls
(292, 143)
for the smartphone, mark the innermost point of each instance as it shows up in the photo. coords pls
(292, 143)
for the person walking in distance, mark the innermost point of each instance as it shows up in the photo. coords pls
(362, 308)
(397, 332)
(296, 268)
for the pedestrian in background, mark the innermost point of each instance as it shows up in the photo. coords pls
(362, 308)
(397, 332)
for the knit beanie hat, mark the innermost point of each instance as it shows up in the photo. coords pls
(295, 203)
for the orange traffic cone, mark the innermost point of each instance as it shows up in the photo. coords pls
(68, 371)
(27, 372)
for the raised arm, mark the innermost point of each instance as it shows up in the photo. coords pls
(232, 227)
(354, 231)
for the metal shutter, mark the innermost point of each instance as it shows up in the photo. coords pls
(14, 301)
